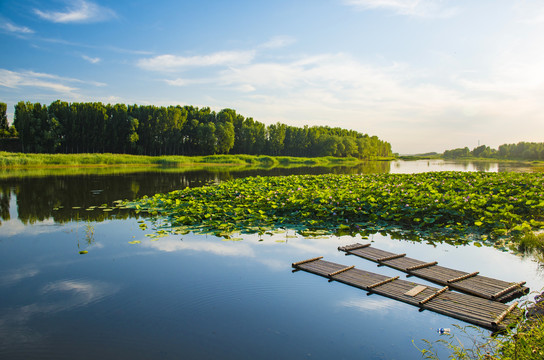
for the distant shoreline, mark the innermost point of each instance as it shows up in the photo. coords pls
(440, 157)
(21, 160)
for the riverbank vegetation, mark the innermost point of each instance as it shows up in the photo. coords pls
(529, 242)
(455, 207)
(65, 127)
(22, 160)
(525, 151)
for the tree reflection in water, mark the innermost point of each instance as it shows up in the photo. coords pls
(68, 195)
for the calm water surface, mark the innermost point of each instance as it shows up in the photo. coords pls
(196, 296)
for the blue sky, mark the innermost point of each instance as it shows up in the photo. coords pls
(423, 75)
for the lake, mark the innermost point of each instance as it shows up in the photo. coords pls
(199, 296)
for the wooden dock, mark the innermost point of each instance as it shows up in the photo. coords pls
(470, 283)
(489, 314)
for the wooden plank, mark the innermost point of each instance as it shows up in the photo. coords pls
(472, 309)
(508, 289)
(504, 313)
(415, 290)
(306, 261)
(421, 266)
(391, 257)
(353, 247)
(463, 277)
(430, 297)
(341, 270)
(382, 282)
(470, 283)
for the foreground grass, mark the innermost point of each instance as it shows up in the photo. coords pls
(21, 160)
(446, 206)
(524, 342)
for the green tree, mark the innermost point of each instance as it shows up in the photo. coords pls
(276, 137)
(25, 125)
(350, 146)
(4, 125)
(206, 138)
(224, 132)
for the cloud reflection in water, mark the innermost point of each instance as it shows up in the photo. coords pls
(380, 305)
(53, 298)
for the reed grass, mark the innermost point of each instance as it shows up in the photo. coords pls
(21, 160)
(531, 241)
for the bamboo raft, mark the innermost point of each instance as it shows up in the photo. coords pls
(489, 314)
(470, 283)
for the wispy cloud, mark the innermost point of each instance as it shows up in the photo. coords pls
(187, 82)
(12, 28)
(417, 8)
(115, 49)
(92, 60)
(31, 79)
(278, 42)
(174, 62)
(14, 79)
(78, 12)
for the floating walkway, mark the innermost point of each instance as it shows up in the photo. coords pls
(489, 314)
(470, 283)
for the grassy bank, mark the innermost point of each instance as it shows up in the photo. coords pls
(20, 160)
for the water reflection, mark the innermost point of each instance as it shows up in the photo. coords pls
(52, 298)
(213, 247)
(17, 275)
(66, 194)
(195, 296)
(365, 304)
(181, 293)
(66, 197)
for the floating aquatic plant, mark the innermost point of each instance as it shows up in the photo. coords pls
(451, 206)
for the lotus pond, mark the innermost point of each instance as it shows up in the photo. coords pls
(81, 278)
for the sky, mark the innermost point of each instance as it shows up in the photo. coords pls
(424, 75)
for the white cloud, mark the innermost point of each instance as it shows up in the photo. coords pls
(78, 12)
(15, 28)
(278, 42)
(187, 82)
(173, 62)
(31, 79)
(417, 8)
(92, 60)
(12, 79)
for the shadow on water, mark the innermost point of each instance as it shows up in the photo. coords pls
(66, 195)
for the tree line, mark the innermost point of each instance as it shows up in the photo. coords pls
(91, 127)
(520, 151)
